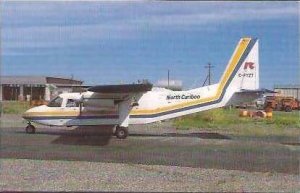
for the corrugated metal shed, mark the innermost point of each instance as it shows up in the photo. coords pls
(35, 87)
(288, 90)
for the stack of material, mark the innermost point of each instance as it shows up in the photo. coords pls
(262, 114)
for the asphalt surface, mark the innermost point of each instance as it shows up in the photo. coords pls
(154, 146)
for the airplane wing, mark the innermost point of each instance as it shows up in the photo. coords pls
(128, 95)
(121, 89)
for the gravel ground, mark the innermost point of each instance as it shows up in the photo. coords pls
(37, 175)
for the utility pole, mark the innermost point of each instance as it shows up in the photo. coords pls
(209, 66)
(168, 78)
(71, 81)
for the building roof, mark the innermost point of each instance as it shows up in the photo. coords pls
(23, 80)
(35, 80)
(290, 86)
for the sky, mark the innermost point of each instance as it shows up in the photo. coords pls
(122, 42)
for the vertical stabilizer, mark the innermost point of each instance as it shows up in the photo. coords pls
(243, 68)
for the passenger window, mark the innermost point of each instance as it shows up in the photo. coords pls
(72, 103)
(56, 102)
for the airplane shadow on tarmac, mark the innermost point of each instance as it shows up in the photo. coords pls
(84, 135)
(101, 135)
(95, 136)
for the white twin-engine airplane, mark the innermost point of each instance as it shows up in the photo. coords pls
(122, 105)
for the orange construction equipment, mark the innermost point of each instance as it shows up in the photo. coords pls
(282, 103)
(289, 104)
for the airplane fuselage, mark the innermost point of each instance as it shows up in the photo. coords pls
(90, 108)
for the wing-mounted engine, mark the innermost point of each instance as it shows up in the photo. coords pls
(118, 98)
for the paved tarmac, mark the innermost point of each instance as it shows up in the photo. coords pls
(154, 146)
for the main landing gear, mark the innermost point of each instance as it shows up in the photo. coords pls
(30, 128)
(121, 132)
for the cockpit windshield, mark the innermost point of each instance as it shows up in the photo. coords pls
(56, 102)
(72, 103)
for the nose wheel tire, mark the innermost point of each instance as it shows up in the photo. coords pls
(121, 132)
(30, 129)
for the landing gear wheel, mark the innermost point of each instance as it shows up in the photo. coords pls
(121, 132)
(288, 109)
(30, 129)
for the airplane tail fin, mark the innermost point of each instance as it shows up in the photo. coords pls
(242, 71)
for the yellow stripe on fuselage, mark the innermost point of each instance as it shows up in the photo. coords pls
(238, 54)
(68, 113)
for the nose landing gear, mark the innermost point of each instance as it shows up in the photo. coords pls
(30, 128)
(121, 132)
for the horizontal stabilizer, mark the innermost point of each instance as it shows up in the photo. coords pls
(262, 91)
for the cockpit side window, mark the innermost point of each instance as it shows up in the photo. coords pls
(56, 102)
(72, 103)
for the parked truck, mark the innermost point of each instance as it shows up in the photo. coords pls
(282, 103)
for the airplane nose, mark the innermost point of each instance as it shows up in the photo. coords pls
(26, 114)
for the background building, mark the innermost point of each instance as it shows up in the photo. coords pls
(288, 90)
(35, 87)
(175, 85)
